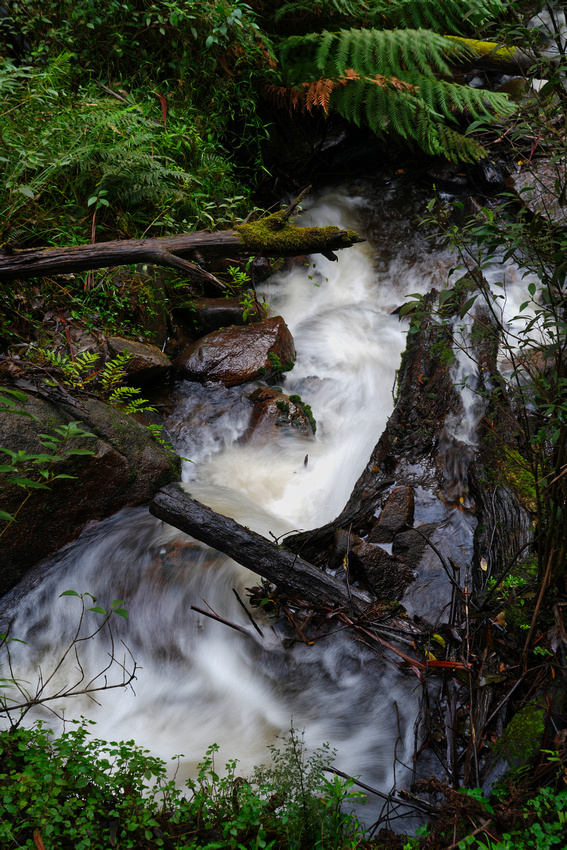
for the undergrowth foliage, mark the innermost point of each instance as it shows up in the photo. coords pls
(66, 145)
(79, 792)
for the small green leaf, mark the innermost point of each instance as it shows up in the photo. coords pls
(122, 612)
(98, 610)
(7, 517)
(69, 593)
(467, 306)
(27, 482)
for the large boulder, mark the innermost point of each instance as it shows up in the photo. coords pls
(235, 355)
(125, 466)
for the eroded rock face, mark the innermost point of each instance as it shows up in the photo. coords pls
(235, 355)
(126, 467)
(274, 414)
(536, 188)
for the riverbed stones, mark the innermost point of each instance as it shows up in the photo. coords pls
(235, 355)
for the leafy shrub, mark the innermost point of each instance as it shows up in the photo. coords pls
(79, 792)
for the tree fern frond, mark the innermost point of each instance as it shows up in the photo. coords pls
(354, 8)
(451, 99)
(391, 52)
(453, 15)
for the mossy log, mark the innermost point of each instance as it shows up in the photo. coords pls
(491, 56)
(287, 571)
(271, 236)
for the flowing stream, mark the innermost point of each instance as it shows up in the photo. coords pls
(201, 682)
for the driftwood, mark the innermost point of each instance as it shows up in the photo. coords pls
(272, 236)
(289, 572)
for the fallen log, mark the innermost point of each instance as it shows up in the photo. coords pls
(271, 236)
(287, 571)
(492, 56)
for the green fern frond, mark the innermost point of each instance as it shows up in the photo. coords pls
(452, 15)
(114, 371)
(400, 53)
(346, 8)
(451, 100)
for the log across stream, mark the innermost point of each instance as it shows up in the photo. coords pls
(201, 682)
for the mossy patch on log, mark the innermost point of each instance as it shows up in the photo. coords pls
(274, 234)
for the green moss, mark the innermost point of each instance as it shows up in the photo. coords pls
(277, 363)
(522, 736)
(306, 408)
(275, 235)
(516, 474)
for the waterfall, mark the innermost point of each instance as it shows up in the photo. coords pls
(201, 682)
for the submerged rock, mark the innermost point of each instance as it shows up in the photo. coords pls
(235, 355)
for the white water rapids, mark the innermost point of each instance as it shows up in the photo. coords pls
(200, 682)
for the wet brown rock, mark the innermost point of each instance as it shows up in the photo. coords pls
(126, 467)
(274, 414)
(211, 314)
(342, 545)
(396, 515)
(143, 355)
(261, 269)
(235, 355)
(386, 575)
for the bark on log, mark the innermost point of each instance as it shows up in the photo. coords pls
(288, 571)
(272, 236)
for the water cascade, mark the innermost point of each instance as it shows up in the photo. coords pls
(199, 681)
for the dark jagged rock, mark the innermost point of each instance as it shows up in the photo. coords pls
(235, 355)
(410, 545)
(451, 475)
(536, 188)
(396, 515)
(386, 575)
